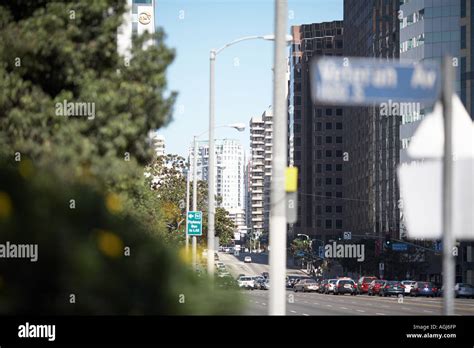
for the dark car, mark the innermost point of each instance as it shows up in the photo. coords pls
(393, 287)
(259, 283)
(363, 284)
(374, 287)
(424, 289)
(345, 286)
(323, 285)
(265, 275)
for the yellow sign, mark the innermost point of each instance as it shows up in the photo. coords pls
(291, 179)
(144, 18)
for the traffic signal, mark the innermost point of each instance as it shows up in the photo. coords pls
(388, 241)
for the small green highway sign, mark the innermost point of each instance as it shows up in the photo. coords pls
(194, 223)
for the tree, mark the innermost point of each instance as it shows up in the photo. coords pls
(56, 52)
(166, 176)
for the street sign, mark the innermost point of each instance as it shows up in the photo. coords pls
(347, 235)
(194, 223)
(381, 266)
(399, 247)
(358, 81)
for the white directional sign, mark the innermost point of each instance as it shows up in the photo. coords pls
(358, 81)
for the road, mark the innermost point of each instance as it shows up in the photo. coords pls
(319, 304)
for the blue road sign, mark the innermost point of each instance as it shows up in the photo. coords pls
(399, 247)
(194, 223)
(358, 81)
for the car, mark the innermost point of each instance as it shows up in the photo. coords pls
(424, 289)
(363, 284)
(266, 275)
(305, 285)
(266, 284)
(246, 250)
(374, 287)
(408, 284)
(246, 282)
(322, 286)
(392, 287)
(240, 275)
(247, 259)
(216, 257)
(223, 273)
(259, 282)
(330, 286)
(290, 280)
(220, 264)
(226, 250)
(345, 286)
(461, 290)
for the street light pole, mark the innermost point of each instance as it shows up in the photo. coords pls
(278, 209)
(211, 188)
(195, 152)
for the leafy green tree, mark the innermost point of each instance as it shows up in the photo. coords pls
(57, 51)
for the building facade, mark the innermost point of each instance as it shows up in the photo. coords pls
(371, 140)
(139, 18)
(229, 171)
(315, 135)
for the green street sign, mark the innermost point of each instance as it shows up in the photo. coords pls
(194, 223)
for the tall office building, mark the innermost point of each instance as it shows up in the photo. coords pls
(256, 174)
(138, 19)
(371, 140)
(229, 171)
(267, 118)
(467, 55)
(315, 135)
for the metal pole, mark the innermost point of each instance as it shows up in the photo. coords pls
(195, 180)
(211, 178)
(448, 238)
(188, 176)
(278, 212)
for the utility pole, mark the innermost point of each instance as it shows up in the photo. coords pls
(210, 182)
(188, 176)
(448, 238)
(278, 194)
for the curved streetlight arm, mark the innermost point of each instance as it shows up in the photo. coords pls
(245, 38)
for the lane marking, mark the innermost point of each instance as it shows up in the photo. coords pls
(426, 311)
(293, 311)
(329, 305)
(360, 310)
(316, 303)
(380, 313)
(343, 308)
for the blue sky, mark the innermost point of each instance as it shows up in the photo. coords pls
(243, 71)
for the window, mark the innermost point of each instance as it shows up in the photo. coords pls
(339, 224)
(328, 112)
(338, 194)
(328, 194)
(338, 125)
(338, 208)
(318, 223)
(319, 112)
(298, 87)
(328, 153)
(318, 140)
(318, 210)
(463, 36)
(338, 140)
(318, 196)
(338, 112)
(298, 142)
(297, 114)
(318, 168)
(298, 100)
(338, 167)
(297, 128)
(297, 155)
(328, 125)
(338, 43)
(318, 126)
(328, 140)
(318, 182)
(328, 167)
(338, 153)
(328, 223)
(463, 8)
(328, 181)
(328, 209)
(318, 154)
(338, 181)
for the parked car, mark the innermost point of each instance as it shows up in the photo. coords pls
(246, 282)
(363, 284)
(259, 282)
(247, 259)
(305, 285)
(266, 284)
(408, 284)
(392, 287)
(345, 286)
(374, 287)
(461, 290)
(292, 279)
(330, 287)
(266, 275)
(424, 289)
(221, 273)
(323, 286)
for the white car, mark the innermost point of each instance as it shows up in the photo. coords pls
(408, 284)
(247, 259)
(246, 282)
(331, 284)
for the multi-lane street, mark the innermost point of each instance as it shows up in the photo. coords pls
(320, 304)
